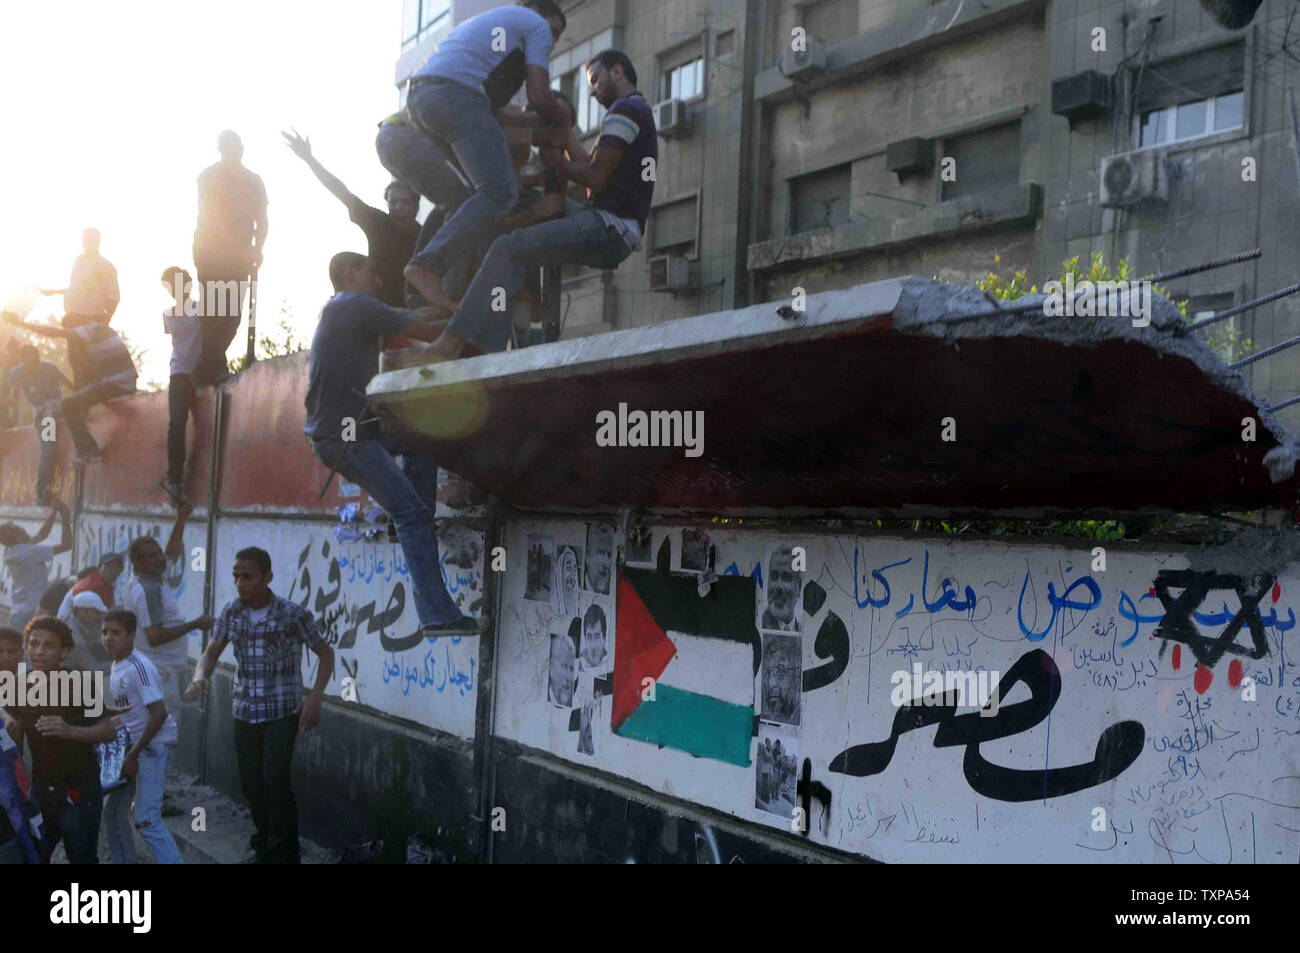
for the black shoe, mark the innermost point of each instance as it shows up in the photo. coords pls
(465, 625)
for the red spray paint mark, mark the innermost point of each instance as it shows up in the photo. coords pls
(1234, 673)
(1152, 592)
(1202, 679)
(1178, 657)
(1277, 591)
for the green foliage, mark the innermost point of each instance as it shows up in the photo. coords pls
(282, 340)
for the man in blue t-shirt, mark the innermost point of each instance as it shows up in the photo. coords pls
(348, 439)
(40, 381)
(447, 102)
(620, 179)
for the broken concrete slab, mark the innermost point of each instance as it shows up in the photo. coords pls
(873, 399)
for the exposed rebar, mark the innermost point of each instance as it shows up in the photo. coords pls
(1267, 352)
(1285, 403)
(1232, 312)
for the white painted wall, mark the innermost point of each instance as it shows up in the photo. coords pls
(1217, 779)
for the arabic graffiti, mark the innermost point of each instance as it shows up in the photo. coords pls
(1117, 748)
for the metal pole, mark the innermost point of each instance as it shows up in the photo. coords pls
(1231, 312)
(249, 355)
(214, 483)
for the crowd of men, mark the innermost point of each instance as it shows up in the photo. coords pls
(424, 293)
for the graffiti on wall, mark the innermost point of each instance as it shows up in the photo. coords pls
(362, 598)
(1110, 705)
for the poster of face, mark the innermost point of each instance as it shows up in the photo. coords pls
(695, 550)
(784, 592)
(540, 583)
(563, 671)
(782, 674)
(636, 539)
(774, 770)
(568, 567)
(600, 557)
(594, 653)
(588, 718)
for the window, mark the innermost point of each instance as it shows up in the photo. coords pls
(1191, 120)
(830, 20)
(684, 82)
(820, 200)
(985, 160)
(419, 17)
(674, 227)
(725, 44)
(1197, 95)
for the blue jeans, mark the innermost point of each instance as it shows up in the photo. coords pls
(147, 788)
(407, 494)
(413, 158)
(459, 119)
(582, 237)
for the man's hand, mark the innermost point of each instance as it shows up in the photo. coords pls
(52, 726)
(185, 507)
(196, 690)
(557, 136)
(309, 712)
(131, 765)
(203, 622)
(300, 145)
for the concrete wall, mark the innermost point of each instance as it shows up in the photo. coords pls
(1096, 715)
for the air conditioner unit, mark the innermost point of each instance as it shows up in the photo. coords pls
(672, 119)
(670, 273)
(805, 63)
(1132, 178)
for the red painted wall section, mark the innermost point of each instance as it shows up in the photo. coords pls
(268, 464)
(19, 456)
(132, 432)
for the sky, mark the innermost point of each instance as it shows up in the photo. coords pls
(109, 111)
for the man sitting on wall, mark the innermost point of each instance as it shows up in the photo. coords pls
(620, 180)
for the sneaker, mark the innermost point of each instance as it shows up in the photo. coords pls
(464, 625)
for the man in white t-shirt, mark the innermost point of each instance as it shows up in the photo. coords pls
(181, 321)
(161, 633)
(136, 692)
(28, 563)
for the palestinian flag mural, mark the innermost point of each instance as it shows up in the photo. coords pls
(701, 652)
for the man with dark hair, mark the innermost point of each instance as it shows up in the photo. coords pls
(181, 321)
(620, 179)
(40, 383)
(137, 694)
(347, 439)
(92, 293)
(227, 250)
(11, 649)
(268, 633)
(102, 369)
(162, 633)
(390, 236)
(65, 771)
(28, 562)
(447, 102)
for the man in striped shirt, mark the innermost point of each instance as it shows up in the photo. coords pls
(268, 706)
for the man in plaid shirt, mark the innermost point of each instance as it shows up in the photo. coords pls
(269, 709)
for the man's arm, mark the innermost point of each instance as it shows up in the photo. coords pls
(301, 147)
(198, 686)
(538, 83)
(593, 175)
(259, 237)
(53, 726)
(176, 541)
(157, 715)
(309, 710)
(157, 635)
(114, 293)
(65, 528)
(44, 330)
